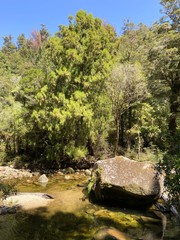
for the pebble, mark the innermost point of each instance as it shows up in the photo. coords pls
(67, 177)
(87, 172)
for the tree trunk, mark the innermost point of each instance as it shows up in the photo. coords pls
(174, 105)
(129, 117)
(129, 127)
(90, 147)
(14, 138)
(122, 129)
(117, 135)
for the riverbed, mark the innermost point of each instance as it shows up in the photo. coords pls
(71, 216)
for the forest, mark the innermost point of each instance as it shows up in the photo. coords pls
(86, 94)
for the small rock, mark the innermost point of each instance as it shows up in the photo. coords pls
(43, 179)
(88, 172)
(35, 174)
(69, 170)
(6, 209)
(11, 210)
(67, 177)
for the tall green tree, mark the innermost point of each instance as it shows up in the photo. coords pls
(69, 105)
(9, 108)
(162, 68)
(133, 47)
(165, 60)
(8, 45)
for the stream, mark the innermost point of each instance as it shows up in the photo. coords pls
(71, 216)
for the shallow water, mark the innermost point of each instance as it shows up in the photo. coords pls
(71, 216)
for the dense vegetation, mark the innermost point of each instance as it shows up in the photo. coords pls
(86, 93)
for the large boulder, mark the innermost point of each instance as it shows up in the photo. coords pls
(126, 182)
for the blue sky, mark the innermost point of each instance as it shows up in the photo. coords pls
(24, 16)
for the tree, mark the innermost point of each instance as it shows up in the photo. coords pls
(8, 45)
(67, 113)
(126, 87)
(165, 83)
(165, 60)
(44, 33)
(134, 43)
(172, 50)
(38, 38)
(172, 11)
(9, 109)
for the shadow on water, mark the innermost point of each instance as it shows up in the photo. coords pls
(39, 225)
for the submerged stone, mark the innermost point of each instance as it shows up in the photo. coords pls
(110, 234)
(29, 200)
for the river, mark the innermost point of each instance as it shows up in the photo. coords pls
(71, 216)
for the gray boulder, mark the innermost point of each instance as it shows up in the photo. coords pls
(126, 182)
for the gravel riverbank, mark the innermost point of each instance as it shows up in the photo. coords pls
(7, 172)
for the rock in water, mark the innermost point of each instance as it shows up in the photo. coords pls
(110, 233)
(29, 200)
(43, 179)
(126, 182)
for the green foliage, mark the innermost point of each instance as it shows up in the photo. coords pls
(165, 86)
(86, 91)
(90, 186)
(70, 103)
(30, 83)
(149, 125)
(8, 45)
(7, 189)
(125, 87)
(164, 57)
(172, 11)
(171, 165)
(133, 45)
(149, 154)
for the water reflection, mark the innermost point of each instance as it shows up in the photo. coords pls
(43, 184)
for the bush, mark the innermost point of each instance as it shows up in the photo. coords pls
(151, 154)
(7, 189)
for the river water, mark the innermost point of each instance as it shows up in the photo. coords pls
(71, 216)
